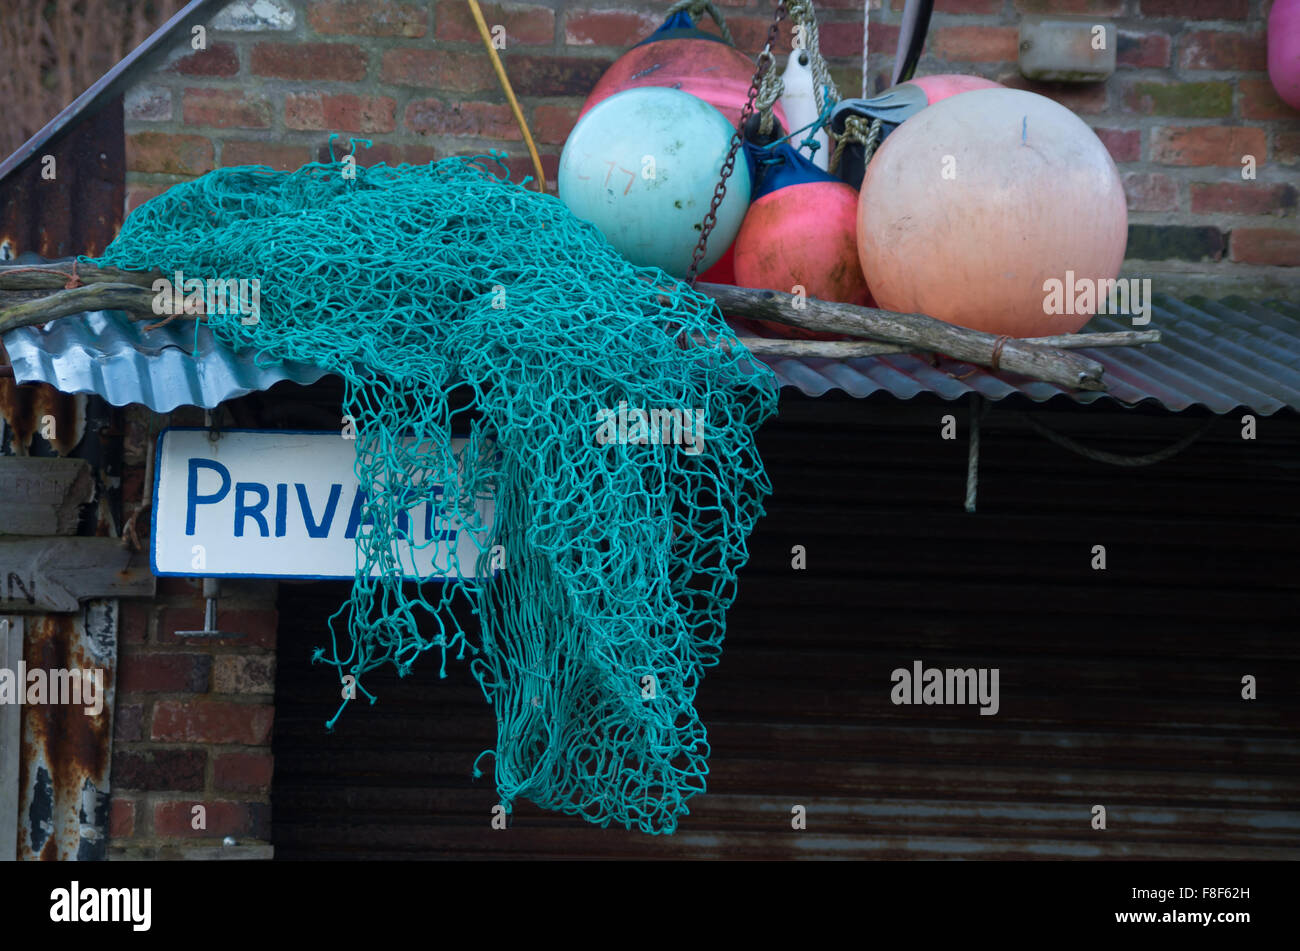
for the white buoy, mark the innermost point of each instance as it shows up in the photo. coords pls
(799, 102)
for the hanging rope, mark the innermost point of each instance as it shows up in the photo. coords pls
(857, 129)
(697, 9)
(1115, 459)
(825, 92)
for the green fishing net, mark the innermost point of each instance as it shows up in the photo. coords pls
(620, 528)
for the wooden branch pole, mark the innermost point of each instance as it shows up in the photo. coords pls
(913, 331)
(54, 276)
(850, 349)
(137, 300)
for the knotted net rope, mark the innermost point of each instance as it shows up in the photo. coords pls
(620, 554)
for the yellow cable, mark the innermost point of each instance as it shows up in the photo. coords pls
(510, 93)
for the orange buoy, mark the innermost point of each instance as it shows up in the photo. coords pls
(944, 85)
(976, 209)
(800, 236)
(679, 55)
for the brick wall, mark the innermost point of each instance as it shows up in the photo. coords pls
(194, 716)
(1190, 97)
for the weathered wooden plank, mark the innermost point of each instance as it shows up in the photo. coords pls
(11, 652)
(43, 496)
(57, 574)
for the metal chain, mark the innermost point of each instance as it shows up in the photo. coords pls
(766, 61)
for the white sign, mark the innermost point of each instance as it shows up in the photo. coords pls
(275, 504)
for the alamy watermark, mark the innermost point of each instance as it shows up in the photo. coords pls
(657, 427)
(192, 295)
(61, 686)
(1084, 295)
(950, 685)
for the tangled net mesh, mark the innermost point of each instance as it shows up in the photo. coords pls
(618, 558)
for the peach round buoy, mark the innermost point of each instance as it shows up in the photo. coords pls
(944, 85)
(801, 232)
(974, 206)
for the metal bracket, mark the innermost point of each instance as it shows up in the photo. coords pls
(212, 594)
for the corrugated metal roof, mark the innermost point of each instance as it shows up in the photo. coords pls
(105, 352)
(1217, 354)
(1220, 355)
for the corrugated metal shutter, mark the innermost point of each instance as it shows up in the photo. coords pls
(1118, 687)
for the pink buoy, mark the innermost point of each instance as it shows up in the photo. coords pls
(945, 85)
(680, 56)
(1284, 50)
(980, 208)
(800, 236)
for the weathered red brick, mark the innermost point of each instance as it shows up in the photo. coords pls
(128, 722)
(1259, 100)
(481, 119)
(976, 44)
(1124, 145)
(222, 818)
(1220, 49)
(220, 59)
(155, 770)
(1143, 50)
(1242, 198)
(1107, 8)
(226, 108)
(1083, 98)
(840, 40)
(164, 673)
(370, 18)
(385, 152)
(245, 673)
(443, 70)
(121, 818)
(340, 113)
(556, 75)
(750, 33)
(242, 772)
(133, 616)
(608, 27)
(1150, 191)
(168, 154)
(207, 721)
(1184, 99)
(309, 61)
(283, 158)
(526, 24)
(883, 38)
(178, 587)
(552, 124)
(1287, 149)
(1271, 246)
(1207, 145)
(1196, 9)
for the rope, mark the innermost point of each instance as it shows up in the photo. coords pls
(825, 92)
(697, 8)
(1115, 459)
(857, 129)
(504, 81)
(621, 546)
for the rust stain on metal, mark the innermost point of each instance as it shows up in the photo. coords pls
(63, 811)
(35, 409)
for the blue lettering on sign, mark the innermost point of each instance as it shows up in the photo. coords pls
(321, 529)
(252, 498)
(193, 499)
(243, 510)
